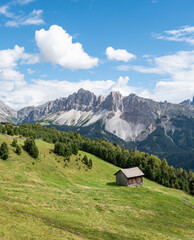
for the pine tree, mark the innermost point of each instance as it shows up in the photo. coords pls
(191, 185)
(16, 131)
(74, 148)
(85, 160)
(4, 151)
(14, 143)
(90, 164)
(1, 128)
(67, 151)
(18, 149)
(34, 151)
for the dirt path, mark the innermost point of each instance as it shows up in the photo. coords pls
(186, 202)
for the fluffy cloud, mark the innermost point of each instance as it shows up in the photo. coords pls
(9, 58)
(10, 78)
(56, 46)
(174, 64)
(178, 70)
(183, 34)
(119, 54)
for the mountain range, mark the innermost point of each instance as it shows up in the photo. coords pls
(160, 128)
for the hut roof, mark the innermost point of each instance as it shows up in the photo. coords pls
(131, 172)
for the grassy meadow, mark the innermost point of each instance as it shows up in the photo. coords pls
(49, 198)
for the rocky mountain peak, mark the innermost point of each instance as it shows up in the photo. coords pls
(6, 112)
(113, 102)
(82, 97)
(188, 101)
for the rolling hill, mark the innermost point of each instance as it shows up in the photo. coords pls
(47, 198)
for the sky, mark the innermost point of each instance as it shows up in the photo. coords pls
(50, 49)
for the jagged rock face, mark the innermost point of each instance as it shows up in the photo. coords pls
(130, 118)
(188, 101)
(24, 112)
(82, 99)
(113, 102)
(6, 113)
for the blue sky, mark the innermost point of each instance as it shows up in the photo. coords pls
(49, 49)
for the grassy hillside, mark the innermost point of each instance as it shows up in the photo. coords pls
(48, 198)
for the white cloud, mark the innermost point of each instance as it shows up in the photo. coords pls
(183, 34)
(122, 86)
(10, 78)
(24, 2)
(4, 10)
(141, 69)
(33, 18)
(119, 54)
(9, 58)
(124, 68)
(173, 91)
(56, 46)
(21, 18)
(30, 71)
(178, 69)
(182, 61)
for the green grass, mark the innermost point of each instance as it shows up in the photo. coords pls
(48, 198)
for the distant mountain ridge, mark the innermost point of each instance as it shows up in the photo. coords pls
(130, 118)
(188, 101)
(154, 127)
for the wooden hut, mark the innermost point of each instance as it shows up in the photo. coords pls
(129, 177)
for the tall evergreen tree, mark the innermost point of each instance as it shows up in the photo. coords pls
(18, 149)
(85, 160)
(4, 151)
(90, 164)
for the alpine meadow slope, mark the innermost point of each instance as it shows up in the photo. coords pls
(47, 198)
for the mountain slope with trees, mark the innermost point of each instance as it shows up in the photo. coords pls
(151, 165)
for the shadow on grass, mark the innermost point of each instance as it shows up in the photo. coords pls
(111, 184)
